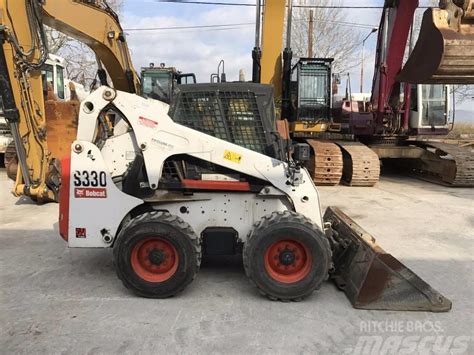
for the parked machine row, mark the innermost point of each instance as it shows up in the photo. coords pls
(348, 136)
(214, 174)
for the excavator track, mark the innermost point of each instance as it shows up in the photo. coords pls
(326, 165)
(361, 164)
(447, 164)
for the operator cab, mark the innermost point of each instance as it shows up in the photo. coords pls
(52, 72)
(311, 90)
(160, 83)
(429, 109)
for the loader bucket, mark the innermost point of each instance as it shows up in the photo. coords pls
(372, 278)
(444, 52)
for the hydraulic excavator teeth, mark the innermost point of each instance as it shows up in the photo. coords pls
(444, 52)
(372, 278)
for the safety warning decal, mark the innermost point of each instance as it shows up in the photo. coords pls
(81, 233)
(232, 156)
(147, 122)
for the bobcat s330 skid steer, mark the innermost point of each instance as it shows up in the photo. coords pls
(164, 186)
(113, 194)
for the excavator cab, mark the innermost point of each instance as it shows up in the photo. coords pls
(444, 52)
(313, 89)
(160, 83)
(429, 109)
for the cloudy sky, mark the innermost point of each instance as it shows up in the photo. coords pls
(200, 50)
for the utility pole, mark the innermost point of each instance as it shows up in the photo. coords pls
(310, 34)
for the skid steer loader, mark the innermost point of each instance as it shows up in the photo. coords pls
(164, 192)
(116, 192)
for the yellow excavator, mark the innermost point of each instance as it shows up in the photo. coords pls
(348, 139)
(39, 129)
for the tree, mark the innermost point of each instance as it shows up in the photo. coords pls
(463, 93)
(332, 37)
(81, 64)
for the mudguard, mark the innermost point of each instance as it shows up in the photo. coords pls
(372, 278)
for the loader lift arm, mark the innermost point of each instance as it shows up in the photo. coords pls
(24, 51)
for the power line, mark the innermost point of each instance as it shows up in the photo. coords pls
(188, 27)
(206, 3)
(239, 25)
(218, 3)
(192, 31)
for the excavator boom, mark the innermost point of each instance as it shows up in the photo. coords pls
(103, 35)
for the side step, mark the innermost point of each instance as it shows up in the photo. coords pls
(326, 165)
(372, 278)
(446, 164)
(361, 164)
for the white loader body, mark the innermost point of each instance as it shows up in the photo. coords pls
(97, 207)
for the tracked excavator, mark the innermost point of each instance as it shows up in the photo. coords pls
(348, 138)
(162, 194)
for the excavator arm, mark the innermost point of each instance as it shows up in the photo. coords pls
(24, 50)
(443, 54)
(96, 25)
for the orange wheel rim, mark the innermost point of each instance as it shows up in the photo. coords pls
(154, 259)
(288, 261)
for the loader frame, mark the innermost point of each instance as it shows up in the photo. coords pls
(156, 137)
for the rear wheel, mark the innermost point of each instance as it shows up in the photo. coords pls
(287, 256)
(157, 255)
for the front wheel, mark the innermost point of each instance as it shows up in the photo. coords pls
(287, 256)
(157, 255)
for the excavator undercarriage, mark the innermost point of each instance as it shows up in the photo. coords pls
(444, 163)
(348, 162)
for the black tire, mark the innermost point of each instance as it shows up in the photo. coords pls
(174, 235)
(281, 228)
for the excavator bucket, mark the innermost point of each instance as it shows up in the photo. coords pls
(444, 52)
(372, 278)
(61, 125)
